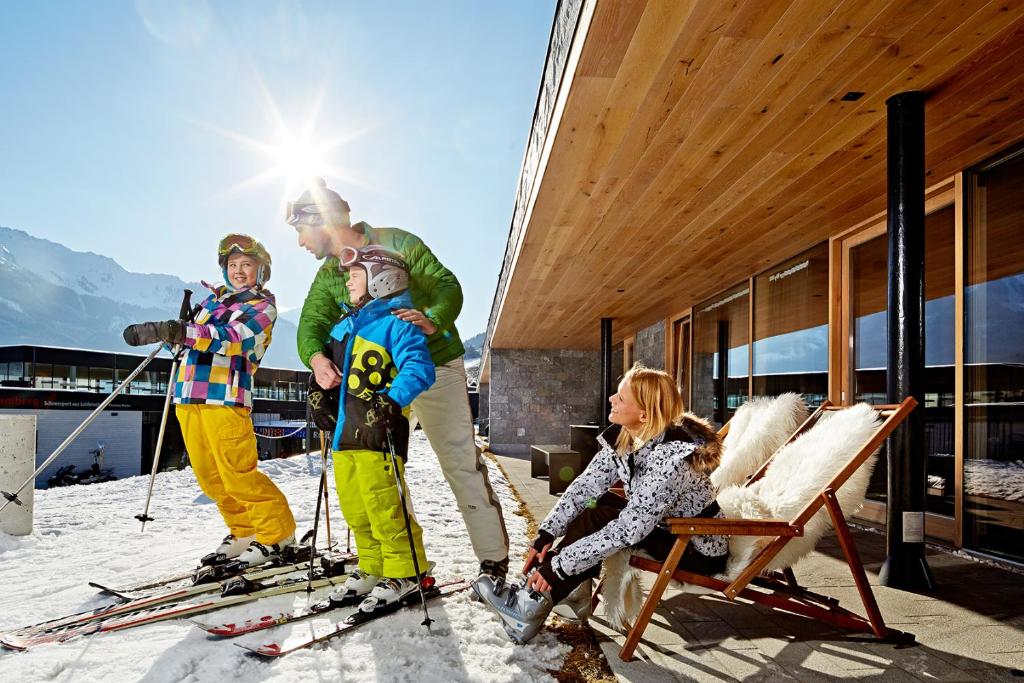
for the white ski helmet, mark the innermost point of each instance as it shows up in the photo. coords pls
(316, 206)
(386, 272)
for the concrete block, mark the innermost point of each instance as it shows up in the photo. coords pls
(17, 462)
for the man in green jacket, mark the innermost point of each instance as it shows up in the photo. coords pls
(322, 219)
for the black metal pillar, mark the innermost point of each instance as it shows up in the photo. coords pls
(905, 565)
(722, 385)
(606, 370)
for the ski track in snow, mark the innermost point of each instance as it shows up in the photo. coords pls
(88, 533)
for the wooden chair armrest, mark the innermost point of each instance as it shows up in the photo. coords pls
(700, 526)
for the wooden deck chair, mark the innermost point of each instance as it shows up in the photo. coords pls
(758, 429)
(758, 579)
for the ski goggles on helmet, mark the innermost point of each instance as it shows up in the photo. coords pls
(299, 214)
(242, 243)
(350, 256)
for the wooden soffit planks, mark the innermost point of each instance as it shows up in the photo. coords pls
(704, 142)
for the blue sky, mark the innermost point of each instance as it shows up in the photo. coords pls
(130, 128)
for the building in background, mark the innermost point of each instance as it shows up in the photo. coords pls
(712, 178)
(62, 386)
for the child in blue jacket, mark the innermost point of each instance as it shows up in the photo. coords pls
(385, 364)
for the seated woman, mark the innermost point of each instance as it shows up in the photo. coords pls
(663, 457)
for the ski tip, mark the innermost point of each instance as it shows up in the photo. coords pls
(268, 650)
(12, 643)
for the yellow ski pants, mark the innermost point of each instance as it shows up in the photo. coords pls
(373, 511)
(221, 446)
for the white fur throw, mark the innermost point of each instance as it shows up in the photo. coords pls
(759, 427)
(798, 473)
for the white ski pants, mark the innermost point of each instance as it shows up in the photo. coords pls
(444, 413)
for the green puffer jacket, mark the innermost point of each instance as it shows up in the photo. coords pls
(435, 290)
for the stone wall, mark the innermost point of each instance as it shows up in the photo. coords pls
(650, 346)
(535, 394)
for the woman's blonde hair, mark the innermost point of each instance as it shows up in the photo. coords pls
(656, 393)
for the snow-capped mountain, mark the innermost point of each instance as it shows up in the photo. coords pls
(53, 296)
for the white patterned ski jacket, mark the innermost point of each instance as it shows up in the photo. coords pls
(659, 482)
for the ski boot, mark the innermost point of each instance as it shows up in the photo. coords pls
(496, 569)
(356, 587)
(230, 548)
(578, 605)
(391, 594)
(257, 553)
(522, 611)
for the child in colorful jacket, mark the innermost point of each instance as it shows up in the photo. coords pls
(213, 397)
(385, 364)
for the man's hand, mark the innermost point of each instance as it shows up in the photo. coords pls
(169, 331)
(417, 318)
(327, 374)
(534, 557)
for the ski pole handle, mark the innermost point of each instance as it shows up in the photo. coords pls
(186, 305)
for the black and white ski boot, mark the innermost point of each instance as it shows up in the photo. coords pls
(230, 548)
(522, 611)
(356, 587)
(257, 553)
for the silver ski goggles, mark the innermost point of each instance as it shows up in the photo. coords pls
(298, 215)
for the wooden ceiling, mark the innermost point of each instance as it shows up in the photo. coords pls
(703, 142)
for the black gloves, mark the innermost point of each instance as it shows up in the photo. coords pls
(323, 405)
(383, 411)
(543, 539)
(169, 331)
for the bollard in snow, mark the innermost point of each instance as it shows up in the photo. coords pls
(17, 462)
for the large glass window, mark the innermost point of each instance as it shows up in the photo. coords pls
(102, 379)
(791, 327)
(44, 376)
(869, 265)
(720, 360)
(994, 362)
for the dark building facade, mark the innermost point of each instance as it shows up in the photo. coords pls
(62, 386)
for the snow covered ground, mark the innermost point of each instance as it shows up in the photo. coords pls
(88, 533)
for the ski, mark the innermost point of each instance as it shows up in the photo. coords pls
(350, 623)
(163, 612)
(334, 564)
(233, 630)
(208, 572)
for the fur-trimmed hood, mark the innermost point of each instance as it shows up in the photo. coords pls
(689, 429)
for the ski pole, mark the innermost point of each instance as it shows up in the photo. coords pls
(185, 313)
(327, 502)
(400, 483)
(316, 524)
(144, 515)
(12, 496)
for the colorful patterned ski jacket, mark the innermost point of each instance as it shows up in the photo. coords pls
(659, 482)
(377, 353)
(225, 344)
(434, 290)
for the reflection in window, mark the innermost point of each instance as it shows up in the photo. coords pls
(791, 327)
(869, 291)
(994, 363)
(720, 361)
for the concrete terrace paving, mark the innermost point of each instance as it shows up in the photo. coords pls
(970, 629)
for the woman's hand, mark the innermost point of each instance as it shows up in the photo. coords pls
(417, 318)
(537, 582)
(326, 372)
